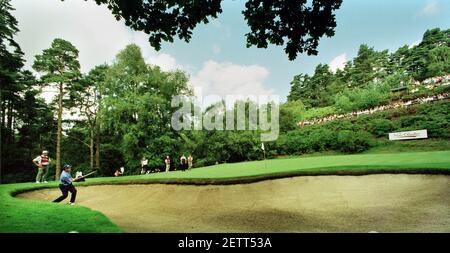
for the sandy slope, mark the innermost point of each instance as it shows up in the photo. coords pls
(384, 203)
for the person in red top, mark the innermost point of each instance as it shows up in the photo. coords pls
(42, 161)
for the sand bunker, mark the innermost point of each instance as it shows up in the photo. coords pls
(383, 203)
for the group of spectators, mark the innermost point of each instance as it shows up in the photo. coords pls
(431, 83)
(394, 105)
(185, 164)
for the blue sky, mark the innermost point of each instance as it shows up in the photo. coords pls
(216, 58)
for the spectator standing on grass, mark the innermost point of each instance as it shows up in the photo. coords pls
(190, 161)
(144, 166)
(42, 161)
(183, 162)
(167, 162)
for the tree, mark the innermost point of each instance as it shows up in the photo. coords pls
(11, 61)
(87, 98)
(137, 101)
(296, 108)
(399, 60)
(430, 57)
(297, 23)
(438, 61)
(59, 66)
(313, 91)
(320, 85)
(35, 124)
(367, 66)
(287, 119)
(299, 87)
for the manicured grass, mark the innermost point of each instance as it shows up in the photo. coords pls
(18, 215)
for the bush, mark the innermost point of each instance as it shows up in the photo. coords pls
(343, 103)
(353, 142)
(352, 125)
(437, 127)
(319, 112)
(381, 127)
(322, 139)
(440, 89)
(368, 98)
(412, 121)
(294, 143)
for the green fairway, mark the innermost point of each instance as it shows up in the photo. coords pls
(17, 215)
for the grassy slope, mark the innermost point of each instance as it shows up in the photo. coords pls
(385, 146)
(18, 215)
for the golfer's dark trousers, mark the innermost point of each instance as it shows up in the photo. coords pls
(65, 189)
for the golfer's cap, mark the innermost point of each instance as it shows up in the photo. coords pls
(45, 152)
(66, 166)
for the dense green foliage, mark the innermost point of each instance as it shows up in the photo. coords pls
(368, 79)
(360, 133)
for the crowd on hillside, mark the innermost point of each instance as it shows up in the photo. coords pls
(430, 83)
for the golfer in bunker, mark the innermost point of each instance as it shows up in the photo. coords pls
(66, 186)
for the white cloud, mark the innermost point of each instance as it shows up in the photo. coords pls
(165, 61)
(430, 9)
(227, 78)
(338, 62)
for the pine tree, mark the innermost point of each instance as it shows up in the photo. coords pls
(59, 66)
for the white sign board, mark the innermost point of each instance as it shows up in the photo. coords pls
(410, 135)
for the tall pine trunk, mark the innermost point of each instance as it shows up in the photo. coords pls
(97, 147)
(97, 130)
(3, 110)
(9, 139)
(59, 133)
(91, 148)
